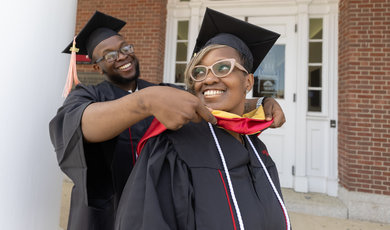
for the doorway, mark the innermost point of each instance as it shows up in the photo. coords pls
(276, 77)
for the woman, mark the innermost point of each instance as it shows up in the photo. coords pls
(204, 176)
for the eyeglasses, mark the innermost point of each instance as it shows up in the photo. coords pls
(113, 55)
(220, 68)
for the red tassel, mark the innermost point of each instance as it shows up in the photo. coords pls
(72, 72)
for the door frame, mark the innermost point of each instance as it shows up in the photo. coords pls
(302, 10)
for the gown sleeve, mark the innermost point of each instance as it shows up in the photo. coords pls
(67, 138)
(159, 192)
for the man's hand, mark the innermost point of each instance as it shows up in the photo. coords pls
(102, 121)
(174, 108)
(273, 110)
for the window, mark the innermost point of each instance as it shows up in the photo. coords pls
(181, 51)
(315, 65)
(269, 76)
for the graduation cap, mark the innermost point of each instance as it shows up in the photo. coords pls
(250, 40)
(99, 27)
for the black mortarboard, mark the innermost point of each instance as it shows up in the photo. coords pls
(250, 40)
(99, 27)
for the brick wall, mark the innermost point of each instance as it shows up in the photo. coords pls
(145, 29)
(364, 95)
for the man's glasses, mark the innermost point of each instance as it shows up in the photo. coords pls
(113, 55)
(220, 68)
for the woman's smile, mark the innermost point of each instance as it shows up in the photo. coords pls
(212, 93)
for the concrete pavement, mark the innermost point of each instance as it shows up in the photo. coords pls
(300, 221)
(308, 211)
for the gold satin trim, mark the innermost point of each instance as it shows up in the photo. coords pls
(254, 114)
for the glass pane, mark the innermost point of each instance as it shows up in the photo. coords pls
(315, 28)
(182, 30)
(269, 76)
(315, 52)
(179, 73)
(314, 102)
(315, 76)
(181, 51)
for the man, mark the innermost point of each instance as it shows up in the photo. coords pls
(96, 132)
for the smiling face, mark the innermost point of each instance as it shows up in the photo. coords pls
(223, 93)
(125, 69)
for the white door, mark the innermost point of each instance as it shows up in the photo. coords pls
(276, 77)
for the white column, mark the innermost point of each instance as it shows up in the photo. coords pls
(194, 26)
(33, 72)
(332, 183)
(169, 65)
(300, 180)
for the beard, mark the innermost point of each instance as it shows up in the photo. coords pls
(119, 80)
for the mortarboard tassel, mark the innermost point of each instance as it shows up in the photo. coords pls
(72, 72)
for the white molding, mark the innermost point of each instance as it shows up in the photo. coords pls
(329, 13)
(169, 66)
(333, 102)
(194, 26)
(301, 102)
(332, 187)
(301, 184)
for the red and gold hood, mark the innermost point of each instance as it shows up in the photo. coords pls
(250, 123)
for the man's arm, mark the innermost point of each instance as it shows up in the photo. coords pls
(272, 109)
(102, 121)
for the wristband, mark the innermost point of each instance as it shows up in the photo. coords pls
(259, 102)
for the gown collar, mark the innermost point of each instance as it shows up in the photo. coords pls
(250, 123)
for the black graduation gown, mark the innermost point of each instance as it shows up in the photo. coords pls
(179, 183)
(99, 171)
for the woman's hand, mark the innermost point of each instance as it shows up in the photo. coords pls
(273, 110)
